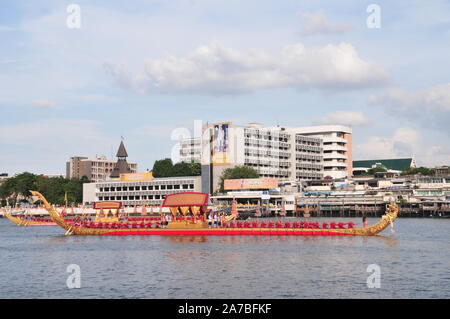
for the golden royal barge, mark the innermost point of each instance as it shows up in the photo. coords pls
(189, 217)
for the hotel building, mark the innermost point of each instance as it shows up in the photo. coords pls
(287, 153)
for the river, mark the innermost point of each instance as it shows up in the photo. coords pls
(413, 262)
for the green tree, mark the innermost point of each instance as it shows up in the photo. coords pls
(54, 189)
(163, 168)
(378, 169)
(181, 169)
(195, 168)
(237, 172)
(418, 170)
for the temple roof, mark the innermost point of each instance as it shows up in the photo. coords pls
(121, 166)
(122, 152)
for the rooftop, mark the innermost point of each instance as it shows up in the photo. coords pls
(398, 164)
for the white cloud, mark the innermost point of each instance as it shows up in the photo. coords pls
(349, 118)
(434, 99)
(215, 69)
(405, 142)
(318, 23)
(44, 103)
(429, 107)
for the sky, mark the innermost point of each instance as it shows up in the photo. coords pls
(75, 79)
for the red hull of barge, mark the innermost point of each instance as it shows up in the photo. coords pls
(227, 232)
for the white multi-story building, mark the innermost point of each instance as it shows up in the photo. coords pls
(337, 148)
(282, 152)
(131, 193)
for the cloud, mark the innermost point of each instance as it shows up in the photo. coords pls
(430, 107)
(44, 103)
(405, 142)
(348, 118)
(318, 23)
(215, 69)
(43, 145)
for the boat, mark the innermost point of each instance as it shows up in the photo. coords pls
(22, 220)
(189, 211)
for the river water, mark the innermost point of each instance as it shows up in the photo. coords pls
(414, 262)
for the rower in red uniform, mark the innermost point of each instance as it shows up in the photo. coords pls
(350, 224)
(325, 225)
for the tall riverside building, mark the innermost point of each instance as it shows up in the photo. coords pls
(337, 148)
(279, 152)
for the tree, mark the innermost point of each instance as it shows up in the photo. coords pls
(237, 172)
(418, 170)
(181, 169)
(195, 169)
(378, 169)
(372, 171)
(163, 168)
(54, 189)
